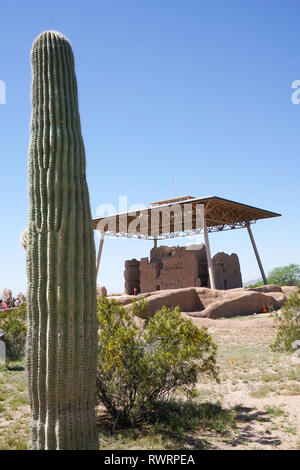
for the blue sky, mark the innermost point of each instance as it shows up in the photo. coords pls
(195, 90)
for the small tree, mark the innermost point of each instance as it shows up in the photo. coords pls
(140, 365)
(288, 324)
(13, 323)
(285, 275)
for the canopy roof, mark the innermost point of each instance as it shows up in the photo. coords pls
(181, 216)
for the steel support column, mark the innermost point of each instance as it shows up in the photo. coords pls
(257, 254)
(209, 260)
(99, 253)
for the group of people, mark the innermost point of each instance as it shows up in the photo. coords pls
(10, 303)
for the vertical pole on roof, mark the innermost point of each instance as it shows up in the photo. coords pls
(99, 253)
(256, 254)
(155, 242)
(209, 260)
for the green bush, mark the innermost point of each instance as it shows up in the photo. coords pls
(257, 284)
(13, 323)
(139, 309)
(288, 324)
(285, 275)
(140, 365)
(282, 276)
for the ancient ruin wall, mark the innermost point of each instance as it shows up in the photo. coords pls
(227, 271)
(132, 276)
(179, 267)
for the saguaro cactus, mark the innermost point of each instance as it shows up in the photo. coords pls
(61, 353)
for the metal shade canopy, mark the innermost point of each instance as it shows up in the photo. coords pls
(220, 214)
(183, 216)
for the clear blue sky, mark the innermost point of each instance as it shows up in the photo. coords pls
(198, 90)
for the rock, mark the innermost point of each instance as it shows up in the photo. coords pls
(242, 303)
(207, 296)
(266, 288)
(127, 299)
(288, 290)
(232, 293)
(214, 303)
(101, 290)
(280, 298)
(187, 299)
(7, 294)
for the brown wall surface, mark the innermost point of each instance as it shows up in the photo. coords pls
(227, 271)
(132, 276)
(180, 267)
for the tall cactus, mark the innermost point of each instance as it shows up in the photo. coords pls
(61, 350)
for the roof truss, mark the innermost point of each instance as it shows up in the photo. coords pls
(181, 218)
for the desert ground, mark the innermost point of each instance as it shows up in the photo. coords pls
(261, 386)
(255, 406)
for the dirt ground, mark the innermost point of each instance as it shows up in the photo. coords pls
(261, 385)
(259, 388)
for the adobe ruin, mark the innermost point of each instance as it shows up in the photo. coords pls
(179, 217)
(180, 267)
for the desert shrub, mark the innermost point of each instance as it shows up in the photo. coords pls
(139, 309)
(288, 324)
(285, 275)
(282, 276)
(257, 284)
(140, 365)
(13, 323)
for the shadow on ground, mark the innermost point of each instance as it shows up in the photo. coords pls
(189, 425)
(246, 418)
(14, 368)
(172, 425)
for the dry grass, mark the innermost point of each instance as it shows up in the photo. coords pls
(14, 410)
(262, 383)
(256, 406)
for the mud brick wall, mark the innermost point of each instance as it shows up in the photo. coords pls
(149, 273)
(132, 276)
(174, 268)
(227, 271)
(179, 267)
(179, 270)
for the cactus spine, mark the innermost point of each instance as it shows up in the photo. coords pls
(61, 353)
